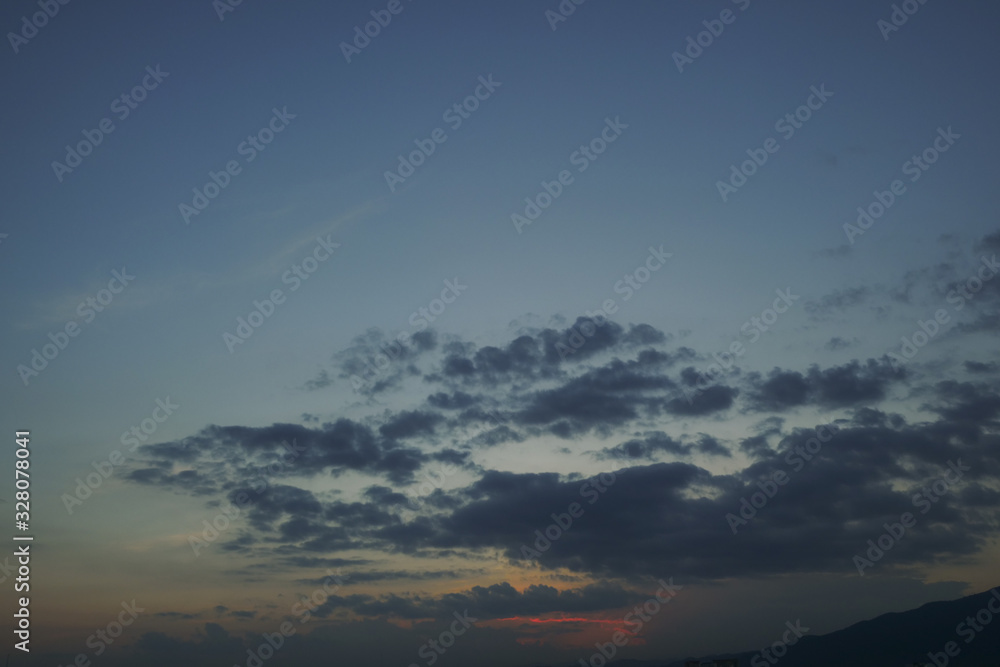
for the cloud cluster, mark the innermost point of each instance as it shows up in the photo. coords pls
(666, 511)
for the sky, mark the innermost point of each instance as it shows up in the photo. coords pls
(526, 312)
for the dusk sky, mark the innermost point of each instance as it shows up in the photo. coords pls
(520, 312)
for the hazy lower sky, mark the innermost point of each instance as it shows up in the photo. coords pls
(380, 306)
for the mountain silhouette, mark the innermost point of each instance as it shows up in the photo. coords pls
(897, 639)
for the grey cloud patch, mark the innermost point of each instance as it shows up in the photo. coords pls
(487, 602)
(656, 517)
(838, 343)
(411, 424)
(671, 515)
(838, 301)
(645, 448)
(967, 402)
(711, 446)
(989, 243)
(454, 401)
(381, 362)
(228, 456)
(839, 386)
(601, 398)
(713, 399)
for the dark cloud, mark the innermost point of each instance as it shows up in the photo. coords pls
(711, 446)
(644, 334)
(672, 516)
(376, 362)
(229, 456)
(383, 495)
(602, 398)
(497, 436)
(713, 399)
(989, 243)
(411, 424)
(584, 339)
(487, 602)
(853, 383)
(756, 447)
(982, 367)
(646, 517)
(839, 386)
(781, 390)
(274, 502)
(544, 354)
(645, 448)
(454, 401)
(521, 358)
(967, 402)
(651, 357)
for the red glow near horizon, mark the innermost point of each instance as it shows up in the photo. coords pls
(557, 620)
(581, 632)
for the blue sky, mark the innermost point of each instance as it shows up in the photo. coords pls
(323, 177)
